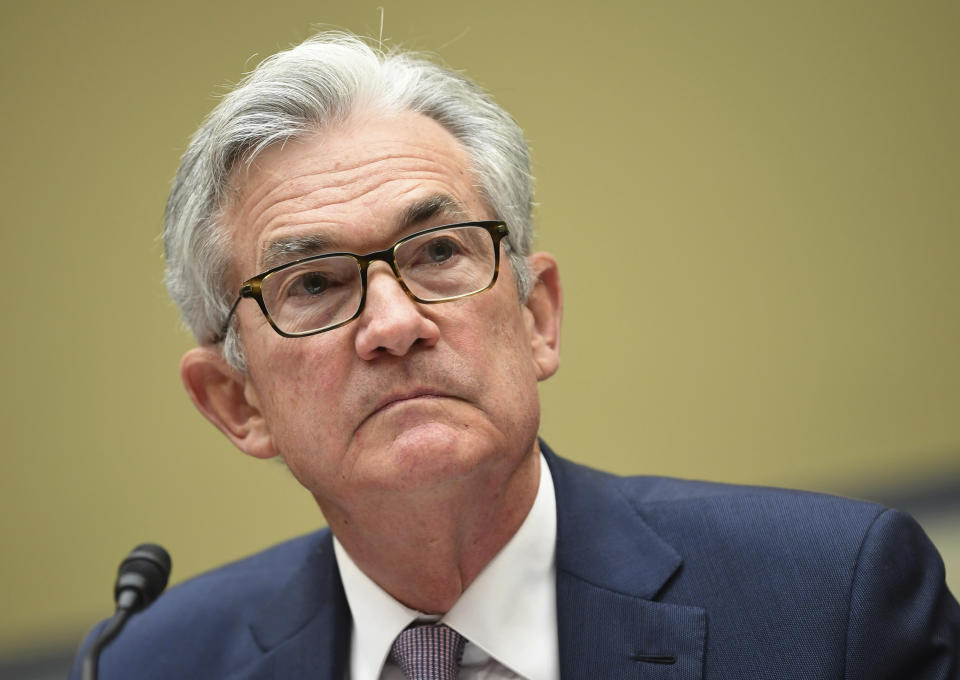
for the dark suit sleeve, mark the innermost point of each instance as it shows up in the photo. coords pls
(903, 622)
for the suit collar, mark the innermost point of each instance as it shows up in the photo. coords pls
(304, 631)
(611, 567)
(601, 538)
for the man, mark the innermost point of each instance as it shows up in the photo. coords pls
(391, 325)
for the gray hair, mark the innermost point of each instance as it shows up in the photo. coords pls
(315, 84)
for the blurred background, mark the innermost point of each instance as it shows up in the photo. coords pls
(754, 205)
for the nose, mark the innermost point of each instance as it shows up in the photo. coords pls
(391, 322)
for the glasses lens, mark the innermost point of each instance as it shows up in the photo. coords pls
(313, 295)
(448, 263)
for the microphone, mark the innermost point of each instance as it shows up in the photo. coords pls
(141, 577)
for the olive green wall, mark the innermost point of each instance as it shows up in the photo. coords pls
(755, 207)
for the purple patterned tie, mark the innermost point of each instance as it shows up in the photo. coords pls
(428, 652)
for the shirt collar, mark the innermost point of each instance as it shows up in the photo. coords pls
(509, 611)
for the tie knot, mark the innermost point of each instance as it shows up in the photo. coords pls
(428, 652)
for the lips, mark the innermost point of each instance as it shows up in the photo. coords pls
(400, 397)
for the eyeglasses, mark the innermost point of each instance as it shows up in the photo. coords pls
(323, 292)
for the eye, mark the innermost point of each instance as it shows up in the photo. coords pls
(312, 283)
(440, 249)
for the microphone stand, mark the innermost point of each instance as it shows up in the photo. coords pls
(114, 625)
(141, 578)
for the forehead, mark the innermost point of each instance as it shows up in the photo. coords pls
(352, 184)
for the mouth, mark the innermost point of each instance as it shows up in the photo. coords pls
(397, 399)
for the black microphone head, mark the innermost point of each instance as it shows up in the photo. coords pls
(145, 572)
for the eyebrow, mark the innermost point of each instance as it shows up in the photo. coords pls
(426, 209)
(292, 248)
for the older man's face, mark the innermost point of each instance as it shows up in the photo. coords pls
(407, 397)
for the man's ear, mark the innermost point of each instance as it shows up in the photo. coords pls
(227, 399)
(545, 304)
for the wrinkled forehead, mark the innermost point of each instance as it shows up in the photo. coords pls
(355, 183)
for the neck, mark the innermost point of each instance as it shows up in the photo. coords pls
(426, 548)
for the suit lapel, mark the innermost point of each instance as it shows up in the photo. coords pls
(304, 632)
(610, 567)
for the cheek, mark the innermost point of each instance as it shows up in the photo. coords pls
(305, 424)
(296, 378)
(507, 370)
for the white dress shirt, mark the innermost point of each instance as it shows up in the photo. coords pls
(508, 614)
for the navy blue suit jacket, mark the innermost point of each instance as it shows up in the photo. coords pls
(656, 578)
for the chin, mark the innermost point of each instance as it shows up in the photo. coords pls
(431, 454)
(434, 444)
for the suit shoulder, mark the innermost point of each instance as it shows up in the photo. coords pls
(735, 502)
(655, 488)
(243, 584)
(207, 616)
(763, 535)
(663, 495)
(702, 511)
(255, 574)
(774, 556)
